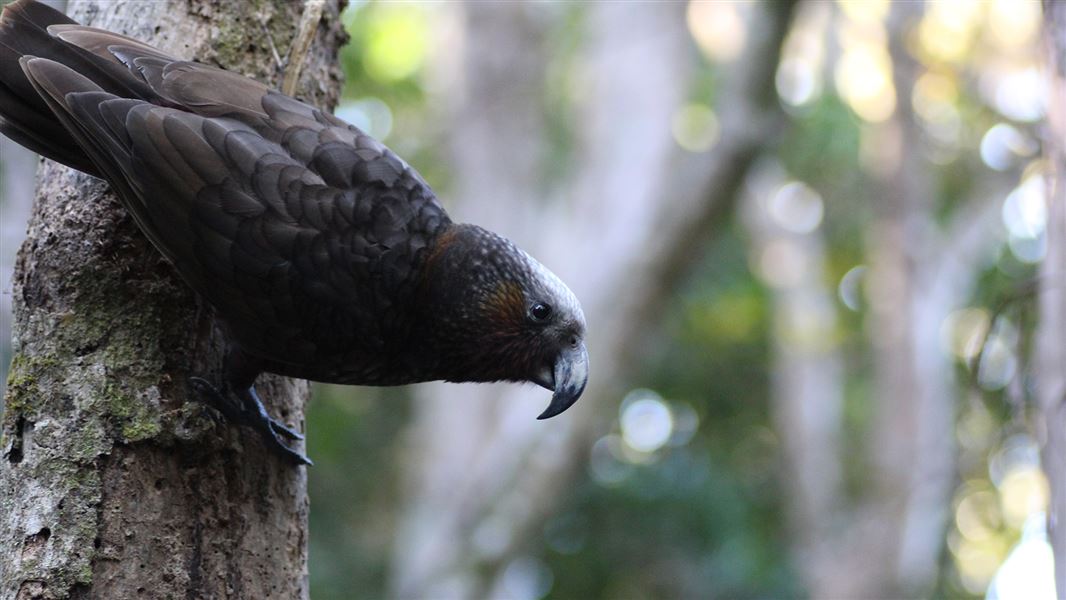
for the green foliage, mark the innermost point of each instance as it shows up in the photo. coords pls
(386, 52)
(354, 441)
(703, 519)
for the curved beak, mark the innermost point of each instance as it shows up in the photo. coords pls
(569, 376)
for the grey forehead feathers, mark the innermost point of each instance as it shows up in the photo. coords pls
(512, 262)
(556, 288)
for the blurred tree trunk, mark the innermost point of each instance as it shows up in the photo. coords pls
(887, 542)
(113, 482)
(911, 457)
(899, 534)
(807, 393)
(484, 474)
(1051, 336)
(919, 273)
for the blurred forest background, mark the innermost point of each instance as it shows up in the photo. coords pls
(807, 238)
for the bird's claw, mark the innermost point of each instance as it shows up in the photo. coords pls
(245, 408)
(285, 431)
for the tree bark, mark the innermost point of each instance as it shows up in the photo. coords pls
(1051, 337)
(114, 482)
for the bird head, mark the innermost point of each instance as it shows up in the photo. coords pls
(494, 313)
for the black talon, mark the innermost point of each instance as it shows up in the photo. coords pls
(275, 426)
(268, 428)
(250, 411)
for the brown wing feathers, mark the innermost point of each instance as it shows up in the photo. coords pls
(306, 234)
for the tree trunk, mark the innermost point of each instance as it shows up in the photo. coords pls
(1051, 337)
(114, 482)
(807, 393)
(911, 458)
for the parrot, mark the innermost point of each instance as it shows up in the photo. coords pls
(324, 255)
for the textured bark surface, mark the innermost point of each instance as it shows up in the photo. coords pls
(113, 482)
(1051, 338)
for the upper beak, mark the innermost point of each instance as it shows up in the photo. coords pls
(569, 376)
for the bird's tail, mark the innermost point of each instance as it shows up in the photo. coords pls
(30, 29)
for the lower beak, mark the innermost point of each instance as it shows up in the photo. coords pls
(569, 376)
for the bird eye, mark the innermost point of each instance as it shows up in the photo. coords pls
(540, 311)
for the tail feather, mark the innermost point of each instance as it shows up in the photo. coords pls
(29, 29)
(57, 84)
(24, 115)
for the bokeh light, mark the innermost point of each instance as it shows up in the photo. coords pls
(695, 127)
(646, 421)
(935, 98)
(798, 81)
(863, 77)
(963, 332)
(976, 546)
(998, 360)
(947, 29)
(1023, 492)
(370, 114)
(1024, 214)
(1018, 451)
(396, 42)
(977, 515)
(525, 578)
(1003, 145)
(849, 290)
(1028, 573)
(799, 78)
(865, 11)
(1014, 25)
(1028, 570)
(796, 207)
(718, 28)
(1020, 94)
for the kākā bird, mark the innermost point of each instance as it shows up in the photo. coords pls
(324, 254)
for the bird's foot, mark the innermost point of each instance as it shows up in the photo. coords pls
(244, 408)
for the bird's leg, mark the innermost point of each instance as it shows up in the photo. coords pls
(240, 404)
(243, 407)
